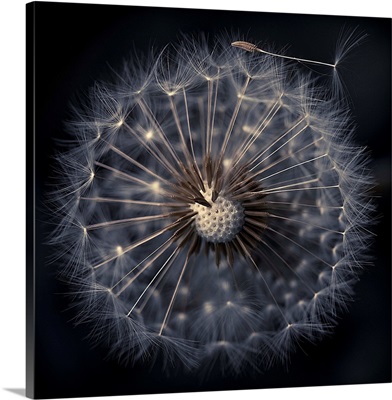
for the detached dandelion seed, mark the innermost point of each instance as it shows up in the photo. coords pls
(213, 208)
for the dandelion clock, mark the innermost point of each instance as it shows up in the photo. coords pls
(210, 203)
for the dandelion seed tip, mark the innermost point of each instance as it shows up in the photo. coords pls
(250, 47)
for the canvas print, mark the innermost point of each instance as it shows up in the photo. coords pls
(209, 200)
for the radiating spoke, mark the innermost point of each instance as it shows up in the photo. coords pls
(288, 266)
(292, 167)
(266, 285)
(305, 223)
(158, 252)
(232, 121)
(153, 150)
(150, 115)
(195, 163)
(126, 221)
(139, 165)
(169, 308)
(278, 149)
(136, 202)
(287, 205)
(258, 131)
(304, 188)
(168, 262)
(184, 146)
(300, 246)
(145, 239)
(278, 189)
(284, 158)
(123, 175)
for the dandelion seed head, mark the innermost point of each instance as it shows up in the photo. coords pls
(221, 221)
(213, 207)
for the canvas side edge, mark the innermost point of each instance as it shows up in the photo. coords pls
(30, 200)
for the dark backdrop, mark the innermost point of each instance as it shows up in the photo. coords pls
(74, 44)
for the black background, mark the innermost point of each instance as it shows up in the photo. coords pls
(74, 45)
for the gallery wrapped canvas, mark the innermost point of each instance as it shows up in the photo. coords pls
(207, 200)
